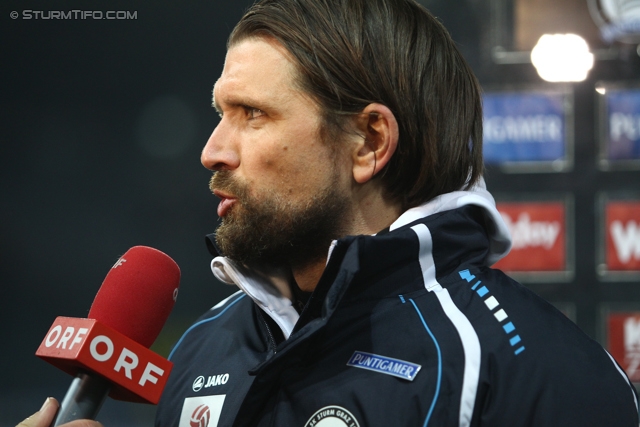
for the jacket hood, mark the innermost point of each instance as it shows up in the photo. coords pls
(497, 231)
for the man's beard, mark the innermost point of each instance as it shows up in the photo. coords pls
(273, 230)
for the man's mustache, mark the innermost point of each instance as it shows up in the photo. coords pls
(225, 181)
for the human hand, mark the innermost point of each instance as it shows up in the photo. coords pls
(45, 415)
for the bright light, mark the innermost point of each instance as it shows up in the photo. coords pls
(601, 90)
(562, 58)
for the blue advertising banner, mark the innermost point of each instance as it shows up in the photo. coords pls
(623, 116)
(525, 127)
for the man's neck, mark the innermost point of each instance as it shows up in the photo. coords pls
(308, 275)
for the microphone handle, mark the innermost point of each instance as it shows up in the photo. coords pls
(83, 400)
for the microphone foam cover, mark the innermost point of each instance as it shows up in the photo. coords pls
(138, 294)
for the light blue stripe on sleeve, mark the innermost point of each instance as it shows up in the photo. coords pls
(483, 291)
(508, 328)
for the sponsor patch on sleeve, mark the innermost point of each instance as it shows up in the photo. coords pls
(384, 365)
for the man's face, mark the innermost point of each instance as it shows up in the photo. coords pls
(283, 190)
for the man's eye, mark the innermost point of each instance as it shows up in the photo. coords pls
(254, 113)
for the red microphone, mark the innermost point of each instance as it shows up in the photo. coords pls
(108, 352)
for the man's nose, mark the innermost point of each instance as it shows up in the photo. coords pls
(219, 153)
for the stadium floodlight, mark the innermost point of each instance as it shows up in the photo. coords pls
(562, 58)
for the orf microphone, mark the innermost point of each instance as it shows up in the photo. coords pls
(108, 352)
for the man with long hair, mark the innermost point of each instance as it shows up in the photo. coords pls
(355, 221)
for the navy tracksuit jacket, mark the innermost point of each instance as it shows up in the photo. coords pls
(406, 328)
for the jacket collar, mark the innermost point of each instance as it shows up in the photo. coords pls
(498, 233)
(269, 287)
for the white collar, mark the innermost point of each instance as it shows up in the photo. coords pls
(270, 287)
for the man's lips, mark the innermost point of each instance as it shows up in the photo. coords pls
(226, 201)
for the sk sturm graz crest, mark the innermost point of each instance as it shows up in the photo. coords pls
(619, 20)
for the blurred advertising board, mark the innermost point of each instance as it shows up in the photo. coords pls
(619, 123)
(619, 253)
(620, 333)
(529, 131)
(541, 231)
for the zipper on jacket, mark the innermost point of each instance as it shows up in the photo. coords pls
(272, 340)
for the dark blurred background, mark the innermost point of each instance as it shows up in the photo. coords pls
(103, 122)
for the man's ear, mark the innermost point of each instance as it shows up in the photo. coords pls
(379, 127)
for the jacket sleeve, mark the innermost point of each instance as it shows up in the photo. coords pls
(561, 377)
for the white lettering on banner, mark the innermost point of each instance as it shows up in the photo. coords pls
(65, 337)
(146, 375)
(79, 337)
(118, 263)
(632, 345)
(627, 125)
(55, 333)
(538, 128)
(127, 360)
(626, 240)
(103, 349)
(93, 348)
(527, 233)
(53, 336)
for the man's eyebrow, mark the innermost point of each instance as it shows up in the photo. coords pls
(237, 101)
(215, 105)
(213, 99)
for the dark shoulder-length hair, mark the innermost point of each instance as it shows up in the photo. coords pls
(351, 53)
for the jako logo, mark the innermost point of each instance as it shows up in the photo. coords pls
(211, 381)
(200, 417)
(527, 233)
(198, 383)
(215, 380)
(626, 240)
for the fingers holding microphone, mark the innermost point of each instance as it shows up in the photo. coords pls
(45, 415)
